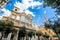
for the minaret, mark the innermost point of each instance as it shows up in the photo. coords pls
(46, 19)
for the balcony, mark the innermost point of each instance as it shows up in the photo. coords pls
(21, 24)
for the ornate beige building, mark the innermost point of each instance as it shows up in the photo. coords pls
(50, 32)
(20, 20)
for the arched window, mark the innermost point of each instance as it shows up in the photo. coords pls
(23, 18)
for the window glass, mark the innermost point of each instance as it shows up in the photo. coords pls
(27, 21)
(13, 17)
(23, 18)
(18, 18)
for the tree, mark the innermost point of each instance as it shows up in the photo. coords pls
(6, 27)
(2, 24)
(47, 26)
(30, 34)
(46, 36)
(22, 32)
(9, 27)
(1, 28)
(54, 4)
(39, 34)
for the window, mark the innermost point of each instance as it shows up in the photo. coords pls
(15, 9)
(13, 17)
(23, 18)
(18, 18)
(27, 21)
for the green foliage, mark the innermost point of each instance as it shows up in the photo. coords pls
(39, 33)
(49, 2)
(57, 26)
(53, 3)
(2, 24)
(22, 32)
(6, 27)
(55, 36)
(46, 35)
(47, 25)
(58, 30)
(30, 33)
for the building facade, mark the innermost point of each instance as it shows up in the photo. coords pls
(19, 20)
(43, 29)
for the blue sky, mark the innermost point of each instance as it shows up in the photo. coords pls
(36, 8)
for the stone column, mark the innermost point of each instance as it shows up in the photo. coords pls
(0, 35)
(16, 35)
(9, 36)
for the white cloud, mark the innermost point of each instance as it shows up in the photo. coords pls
(23, 6)
(26, 4)
(6, 13)
(29, 12)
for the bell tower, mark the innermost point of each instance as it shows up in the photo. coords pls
(16, 9)
(34, 26)
(14, 12)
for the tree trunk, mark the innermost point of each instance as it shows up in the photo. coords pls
(29, 38)
(26, 37)
(23, 38)
(38, 38)
(9, 36)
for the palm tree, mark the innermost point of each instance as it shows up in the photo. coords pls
(22, 32)
(39, 34)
